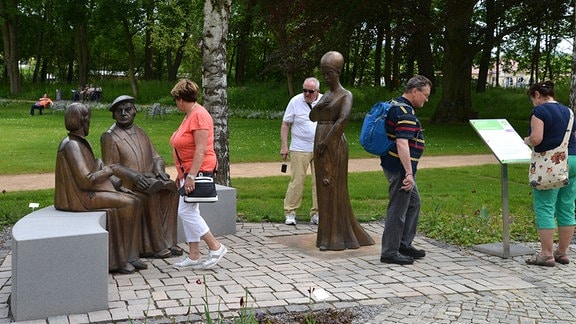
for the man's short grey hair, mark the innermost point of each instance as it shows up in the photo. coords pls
(418, 82)
(316, 82)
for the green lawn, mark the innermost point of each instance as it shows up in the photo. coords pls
(29, 143)
(460, 205)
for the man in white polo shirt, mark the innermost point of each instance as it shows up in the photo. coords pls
(301, 151)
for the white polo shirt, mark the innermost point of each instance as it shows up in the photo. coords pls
(302, 128)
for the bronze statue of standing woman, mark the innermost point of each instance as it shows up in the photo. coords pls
(338, 228)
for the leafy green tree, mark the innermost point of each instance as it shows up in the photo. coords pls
(130, 15)
(456, 102)
(491, 34)
(179, 22)
(240, 37)
(536, 30)
(287, 22)
(303, 31)
(150, 9)
(420, 39)
(9, 17)
(474, 26)
(78, 13)
(381, 40)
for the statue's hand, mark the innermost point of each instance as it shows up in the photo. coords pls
(126, 190)
(163, 175)
(142, 184)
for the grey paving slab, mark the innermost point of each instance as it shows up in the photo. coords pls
(277, 266)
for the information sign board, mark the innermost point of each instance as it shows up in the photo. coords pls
(502, 139)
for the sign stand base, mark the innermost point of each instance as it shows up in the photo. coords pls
(508, 147)
(497, 249)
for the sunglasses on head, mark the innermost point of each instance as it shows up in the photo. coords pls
(308, 91)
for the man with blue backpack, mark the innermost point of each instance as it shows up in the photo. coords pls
(400, 163)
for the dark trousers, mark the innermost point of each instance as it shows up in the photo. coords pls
(401, 216)
(35, 106)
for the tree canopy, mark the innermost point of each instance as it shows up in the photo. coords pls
(383, 42)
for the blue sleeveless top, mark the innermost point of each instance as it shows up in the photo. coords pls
(555, 117)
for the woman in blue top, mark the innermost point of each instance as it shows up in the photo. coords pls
(553, 207)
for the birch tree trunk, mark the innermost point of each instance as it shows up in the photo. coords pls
(214, 84)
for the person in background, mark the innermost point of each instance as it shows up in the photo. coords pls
(141, 169)
(193, 147)
(41, 104)
(553, 207)
(296, 120)
(76, 94)
(97, 95)
(400, 166)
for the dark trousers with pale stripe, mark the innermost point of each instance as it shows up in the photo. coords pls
(401, 216)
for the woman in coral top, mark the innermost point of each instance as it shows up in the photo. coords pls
(193, 151)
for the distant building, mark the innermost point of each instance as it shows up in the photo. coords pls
(508, 76)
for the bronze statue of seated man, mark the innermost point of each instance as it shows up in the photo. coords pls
(141, 169)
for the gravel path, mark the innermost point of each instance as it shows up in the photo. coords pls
(36, 181)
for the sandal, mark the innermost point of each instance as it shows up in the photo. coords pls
(561, 257)
(539, 260)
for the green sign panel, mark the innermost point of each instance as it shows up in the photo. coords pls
(502, 139)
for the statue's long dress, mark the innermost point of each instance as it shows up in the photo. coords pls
(338, 228)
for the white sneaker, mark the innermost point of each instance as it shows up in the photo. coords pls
(314, 219)
(290, 219)
(215, 256)
(186, 262)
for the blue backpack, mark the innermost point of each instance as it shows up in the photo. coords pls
(373, 135)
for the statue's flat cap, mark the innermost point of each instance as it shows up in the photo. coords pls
(120, 99)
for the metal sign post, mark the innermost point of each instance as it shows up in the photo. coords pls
(508, 147)
(505, 216)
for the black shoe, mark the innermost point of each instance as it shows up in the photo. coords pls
(139, 264)
(413, 252)
(128, 269)
(166, 253)
(398, 258)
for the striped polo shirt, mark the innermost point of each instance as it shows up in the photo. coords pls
(403, 123)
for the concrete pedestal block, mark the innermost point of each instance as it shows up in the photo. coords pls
(220, 216)
(59, 264)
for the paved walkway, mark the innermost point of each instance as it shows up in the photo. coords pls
(278, 264)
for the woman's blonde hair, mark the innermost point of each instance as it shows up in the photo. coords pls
(186, 90)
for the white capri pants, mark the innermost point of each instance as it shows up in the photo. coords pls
(193, 224)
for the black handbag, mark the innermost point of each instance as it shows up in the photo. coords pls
(204, 190)
(204, 187)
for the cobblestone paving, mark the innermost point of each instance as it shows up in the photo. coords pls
(450, 285)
